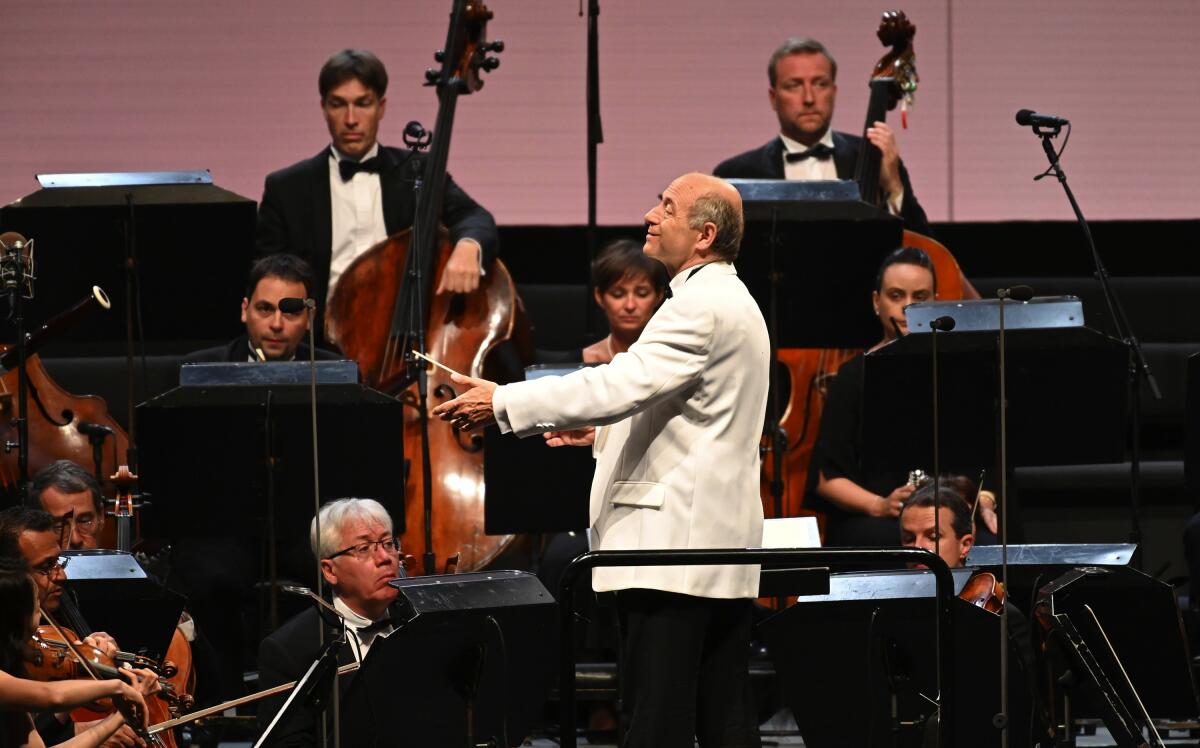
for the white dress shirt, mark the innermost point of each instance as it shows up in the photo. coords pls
(360, 643)
(356, 211)
(817, 168)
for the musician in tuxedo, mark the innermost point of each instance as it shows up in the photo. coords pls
(271, 333)
(359, 555)
(354, 193)
(803, 90)
(681, 414)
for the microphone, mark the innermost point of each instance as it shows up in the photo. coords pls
(300, 591)
(1029, 118)
(12, 241)
(1016, 293)
(98, 430)
(292, 304)
(945, 323)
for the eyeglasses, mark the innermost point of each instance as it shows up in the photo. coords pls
(363, 551)
(51, 565)
(86, 525)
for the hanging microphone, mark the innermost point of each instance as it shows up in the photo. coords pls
(292, 304)
(1030, 118)
(1016, 293)
(945, 324)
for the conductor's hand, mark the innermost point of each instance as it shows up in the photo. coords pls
(890, 506)
(574, 438)
(472, 409)
(461, 274)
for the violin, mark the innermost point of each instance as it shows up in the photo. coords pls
(52, 654)
(985, 591)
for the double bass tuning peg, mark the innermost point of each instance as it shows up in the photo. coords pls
(440, 55)
(494, 46)
(490, 63)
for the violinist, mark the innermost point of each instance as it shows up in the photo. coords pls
(271, 333)
(359, 555)
(364, 190)
(19, 695)
(30, 540)
(802, 92)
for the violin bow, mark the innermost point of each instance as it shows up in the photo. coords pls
(218, 708)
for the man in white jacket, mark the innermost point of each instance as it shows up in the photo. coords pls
(681, 414)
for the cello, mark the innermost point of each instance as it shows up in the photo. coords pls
(368, 315)
(60, 425)
(811, 370)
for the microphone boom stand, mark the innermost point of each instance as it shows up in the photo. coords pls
(1139, 367)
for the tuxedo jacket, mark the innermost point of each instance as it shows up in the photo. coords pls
(677, 460)
(285, 656)
(767, 163)
(238, 350)
(295, 215)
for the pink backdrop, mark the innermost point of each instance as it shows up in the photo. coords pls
(230, 85)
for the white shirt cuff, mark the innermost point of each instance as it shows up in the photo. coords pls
(499, 412)
(895, 202)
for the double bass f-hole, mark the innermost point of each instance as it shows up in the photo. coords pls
(469, 442)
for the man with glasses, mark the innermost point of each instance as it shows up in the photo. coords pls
(359, 555)
(36, 535)
(72, 496)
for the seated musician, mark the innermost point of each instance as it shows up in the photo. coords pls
(19, 695)
(33, 537)
(359, 555)
(73, 497)
(952, 536)
(628, 285)
(803, 90)
(271, 334)
(861, 508)
(364, 190)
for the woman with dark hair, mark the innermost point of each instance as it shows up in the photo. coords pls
(628, 286)
(19, 695)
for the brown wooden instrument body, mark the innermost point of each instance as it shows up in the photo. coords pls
(462, 330)
(985, 591)
(53, 413)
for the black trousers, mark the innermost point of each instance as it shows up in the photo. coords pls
(684, 671)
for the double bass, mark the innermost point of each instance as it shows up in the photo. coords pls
(368, 318)
(811, 370)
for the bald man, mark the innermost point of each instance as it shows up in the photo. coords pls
(679, 415)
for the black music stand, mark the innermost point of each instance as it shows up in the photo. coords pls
(207, 453)
(477, 654)
(114, 595)
(1140, 617)
(532, 488)
(1067, 399)
(872, 640)
(182, 243)
(810, 253)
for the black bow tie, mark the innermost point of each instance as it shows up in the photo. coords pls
(375, 627)
(819, 151)
(348, 168)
